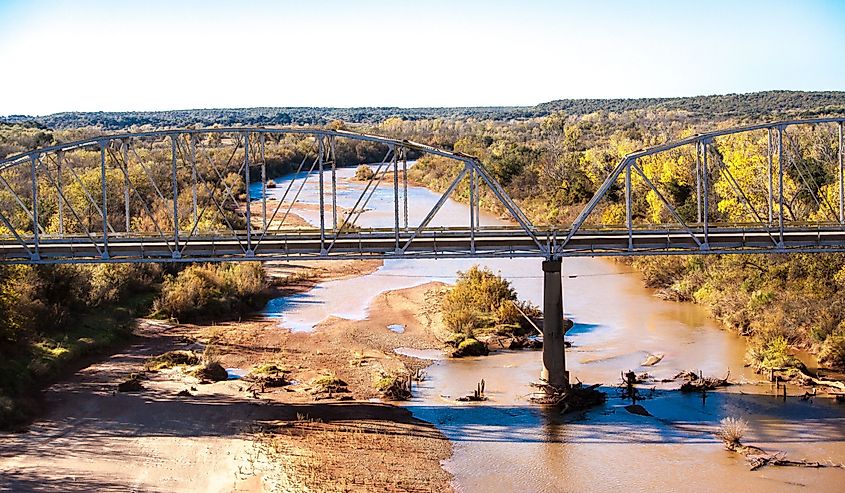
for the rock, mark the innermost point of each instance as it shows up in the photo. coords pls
(637, 409)
(213, 372)
(652, 359)
(471, 347)
(131, 385)
(184, 393)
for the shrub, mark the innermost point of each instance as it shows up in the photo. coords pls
(364, 173)
(112, 282)
(732, 430)
(462, 320)
(771, 350)
(481, 299)
(328, 382)
(833, 350)
(208, 290)
(471, 347)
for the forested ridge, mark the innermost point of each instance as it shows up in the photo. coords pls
(550, 158)
(745, 106)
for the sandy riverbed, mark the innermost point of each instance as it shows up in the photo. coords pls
(224, 438)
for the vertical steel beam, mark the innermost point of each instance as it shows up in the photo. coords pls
(320, 150)
(263, 185)
(697, 181)
(472, 183)
(35, 225)
(126, 213)
(705, 174)
(59, 186)
(104, 210)
(769, 173)
(249, 250)
(780, 186)
(334, 182)
(628, 213)
(841, 175)
(175, 184)
(405, 185)
(396, 199)
(194, 178)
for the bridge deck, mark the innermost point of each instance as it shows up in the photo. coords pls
(499, 242)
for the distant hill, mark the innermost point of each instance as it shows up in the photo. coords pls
(263, 116)
(754, 106)
(751, 105)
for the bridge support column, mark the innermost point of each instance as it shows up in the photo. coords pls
(554, 359)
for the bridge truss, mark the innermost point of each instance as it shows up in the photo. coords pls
(206, 195)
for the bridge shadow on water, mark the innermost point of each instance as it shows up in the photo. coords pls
(678, 419)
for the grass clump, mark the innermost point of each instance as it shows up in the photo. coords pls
(172, 359)
(364, 173)
(210, 368)
(268, 375)
(731, 431)
(211, 371)
(328, 382)
(394, 387)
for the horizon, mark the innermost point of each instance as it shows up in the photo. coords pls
(234, 108)
(214, 55)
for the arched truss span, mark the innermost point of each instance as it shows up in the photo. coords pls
(205, 195)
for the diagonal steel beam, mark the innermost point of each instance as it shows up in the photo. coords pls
(436, 207)
(669, 206)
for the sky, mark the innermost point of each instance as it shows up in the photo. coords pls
(113, 55)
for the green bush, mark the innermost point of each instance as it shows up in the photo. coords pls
(205, 291)
(471, 347)
(771, 350)
(833, 350)
(482, 300)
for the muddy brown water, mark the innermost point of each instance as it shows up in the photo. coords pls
(509, 444)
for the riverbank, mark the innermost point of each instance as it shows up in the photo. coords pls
(225, 436)
(48, 358)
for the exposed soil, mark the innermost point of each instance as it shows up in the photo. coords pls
(175, 434)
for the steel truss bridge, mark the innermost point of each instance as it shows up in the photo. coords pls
(183, 195)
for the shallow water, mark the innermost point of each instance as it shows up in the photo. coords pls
(508, 444)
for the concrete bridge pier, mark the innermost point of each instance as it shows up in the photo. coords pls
(554, 358)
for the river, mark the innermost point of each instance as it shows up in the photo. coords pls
(508, 444)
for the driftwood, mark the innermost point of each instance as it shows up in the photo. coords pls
(476, 396)
(798, 375)
(758, 458)
(779, 459)
(731, 433)
(400, 389)
(699, 383)
(575, 398)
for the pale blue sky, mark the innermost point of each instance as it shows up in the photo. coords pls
(91, 55)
